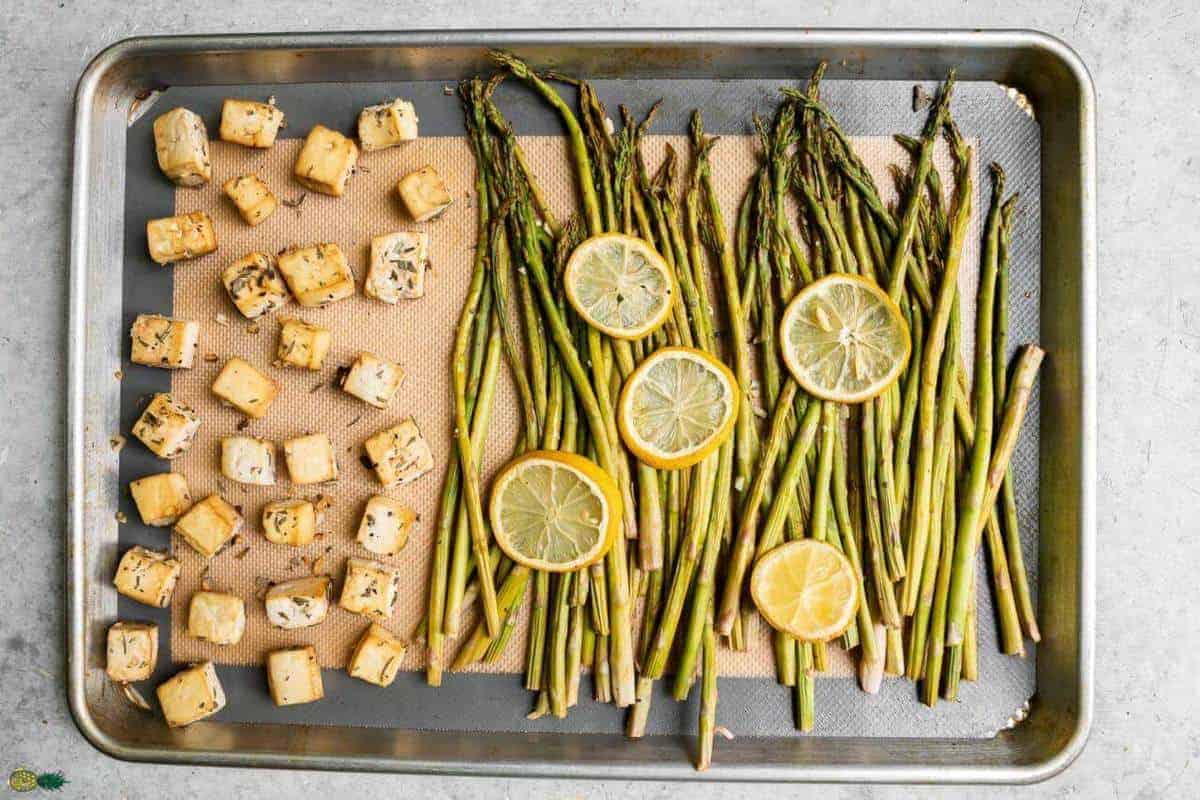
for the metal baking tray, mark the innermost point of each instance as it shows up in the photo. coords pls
(1043, 70)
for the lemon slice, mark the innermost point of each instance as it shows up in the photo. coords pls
(554, 511)
(677, 407)
(620, 285)
(844, 339)
(806, 589)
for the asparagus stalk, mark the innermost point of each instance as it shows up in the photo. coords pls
(708, 698)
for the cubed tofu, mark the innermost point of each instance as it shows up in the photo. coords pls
(209, 525)
(291, 522)
(161, 499)
(132, 651)
(167, 426)
(424, 194)
(385, 525)
(147, 576)
(217, 617)
(310, 459)
(294, 676)
(372, 379)
(249, 123)
(303, 345)
(298, 603)
(177, 238)
(317, 274)
(191, 695)
(387, 125)
(399, 454)
(370, 588)
(181, 142)
(158, 341)
(248, 460)
(254, 199)
(377, 656)
(245, 388)
(326, 161)
(398, 265)
(255, 285)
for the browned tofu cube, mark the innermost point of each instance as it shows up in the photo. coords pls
(303, 345)
(310, 459)
(318, 274)
(299, 603)
(398, 265)
(209, 525)
(193, 694)
(399, 454)
(385, 525)
(181, 143)
(246, 459)
(157, 341)
(424, 194)
(217, 617)
(249, 123)
(177, 238)
(255, 285)
(161, 499)
(167, 426)
(377, 656)
(245, 388)
(254, 200)
(370, 588)
(132, 651)
(326, 161)
(372, 379)
(147, 576)
(290, 522)
(387, 125)
(294, 676)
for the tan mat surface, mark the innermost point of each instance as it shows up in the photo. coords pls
(417, 334)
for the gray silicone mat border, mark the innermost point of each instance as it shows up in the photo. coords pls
(748, 707)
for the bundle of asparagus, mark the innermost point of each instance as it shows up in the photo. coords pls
(904, 484)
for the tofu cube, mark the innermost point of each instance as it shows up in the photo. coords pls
(326, 161)
(303, 345)
(161, 499)
(147, 576)
(209, 525)
(255, 285)
(372, 379)
(158, 341)
(385, 525)
(181, 142)
(424, 194)
(398, 264)
(294, 676)
(249, 123)
(217, 617)
(299, 603)
(193, 694)
(245, 388)
(399, 454)
(318, 274)
(377, 656)
(310, 459)
(132, 651)
(167, 426)
(253, 198)
(387, 125)
(291, 522)
(248, 460)
(177, 238)
(370, 588)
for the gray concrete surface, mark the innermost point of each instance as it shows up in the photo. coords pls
(1144, 58)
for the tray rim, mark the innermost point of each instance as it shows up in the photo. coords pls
(76, 574)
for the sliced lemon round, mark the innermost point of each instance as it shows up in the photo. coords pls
(677, 407)
(554, 511)
(620, 285)
(806, 589)
(844, 339)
